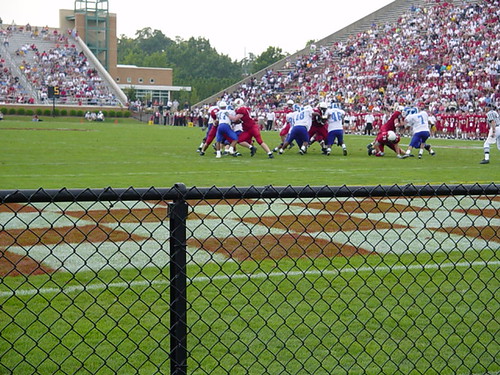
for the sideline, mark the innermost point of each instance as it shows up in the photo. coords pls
(261, 275)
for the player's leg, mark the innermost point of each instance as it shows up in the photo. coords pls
(486, 147)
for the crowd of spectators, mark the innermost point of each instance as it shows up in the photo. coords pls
(60, 65)
(445, 55)
(10, 87)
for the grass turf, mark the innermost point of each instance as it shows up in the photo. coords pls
(388, 319)
(68, 153)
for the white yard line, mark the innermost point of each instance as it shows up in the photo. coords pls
(260, 275)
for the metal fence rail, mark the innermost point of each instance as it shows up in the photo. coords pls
(254, 280)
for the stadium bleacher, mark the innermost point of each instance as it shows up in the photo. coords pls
(440, 53)
(38, 57)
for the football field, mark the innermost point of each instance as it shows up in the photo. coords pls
(415, 278)
(68, 153)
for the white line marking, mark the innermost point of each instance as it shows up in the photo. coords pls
(261, 275)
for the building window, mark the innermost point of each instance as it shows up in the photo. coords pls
(152, 81)
(140, 80)
(117, 79)
(129, 80)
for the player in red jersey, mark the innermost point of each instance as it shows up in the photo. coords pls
(211, 131)
(319, 127)
(387, 136)
(250, 129)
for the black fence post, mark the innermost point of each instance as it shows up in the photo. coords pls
(178, 281)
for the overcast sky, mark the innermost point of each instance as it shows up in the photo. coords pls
(233, 28)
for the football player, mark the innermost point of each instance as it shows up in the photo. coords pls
(387, 136)
(250, 129)
(300, 131)
(419, 124)
(334, 119)
(493, 119)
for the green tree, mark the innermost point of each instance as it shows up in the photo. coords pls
(131, 93)
(150, 41)
(268, 57)
(194, 61)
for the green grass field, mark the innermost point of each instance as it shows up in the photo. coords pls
(422, 312)
(67, 153)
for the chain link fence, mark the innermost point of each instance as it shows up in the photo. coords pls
(257, 280)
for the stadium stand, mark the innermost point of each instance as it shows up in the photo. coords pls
(442, 54)
(38, 57)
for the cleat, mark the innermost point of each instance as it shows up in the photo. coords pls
(236, 154)
(484, 161)
(370, 150)
(432, 153)
(419, 156)
(428, 147)
(404, 156)
(411, 156)
(275, 149)
(253, 150)
(280, 151)
(198, 149)
(270, 156)
(344, 151)
(202, 153)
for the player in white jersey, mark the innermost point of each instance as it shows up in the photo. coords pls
(493, 119)
(419, 123)
(290, 113)
(300, 130)
(224, 129)
(335, 119)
